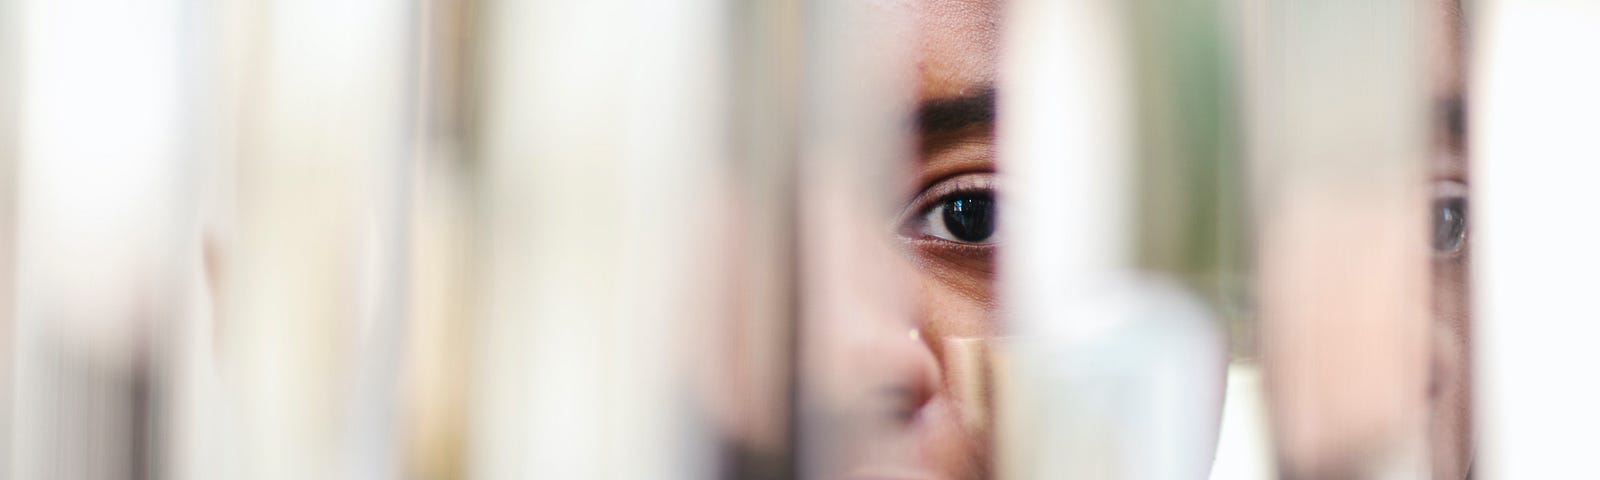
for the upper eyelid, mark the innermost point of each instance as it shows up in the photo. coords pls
(1449, 188)
(965, 182)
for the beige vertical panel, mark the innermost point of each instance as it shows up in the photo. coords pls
(599, 147)
(1337, 128)
(438, 353)
(309, 269)
(855, 152)
(750, 372)
(438, 381)
(100, 138)
(8, 206)
(1535, 151)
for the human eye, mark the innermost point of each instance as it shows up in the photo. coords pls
(1449, 217)
(961, 210)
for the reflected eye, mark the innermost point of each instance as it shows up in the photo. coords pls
(1449, 215)
(966, 217)
(1449, 225)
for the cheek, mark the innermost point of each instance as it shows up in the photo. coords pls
(1451, 387)
(956, 308)
(946, 270)
(955, 294)
(1450, 299)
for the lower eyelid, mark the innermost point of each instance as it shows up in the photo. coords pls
(1449, 188)
(952, 247)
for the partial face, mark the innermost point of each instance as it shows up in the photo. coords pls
(946, 240)
(1450, 390)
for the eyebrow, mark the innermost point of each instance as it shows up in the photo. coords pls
(1451, 117)
(1453, 113)
(950, 114)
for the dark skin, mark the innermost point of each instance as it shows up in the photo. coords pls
(957, 43)
(955, 295)
(951, 272)
(1450, 389)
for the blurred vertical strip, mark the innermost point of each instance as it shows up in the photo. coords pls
(750, 373)
(1066, 144)
(1532, 134)
(9, 105)
(1065, 133)
(1190, 230)
(395, 43)
(1103, 296)
(1192, 203)
(435, 392)
(1337, 130)
(309, 306)
(601, 155)
(101, 148)
(854, 157)
(1189, 194)
(201, 438)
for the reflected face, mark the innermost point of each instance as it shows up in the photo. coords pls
(1341, 439)
(1450, 388)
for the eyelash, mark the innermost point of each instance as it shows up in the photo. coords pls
(938, 192)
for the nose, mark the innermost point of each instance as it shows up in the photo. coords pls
(913, 372)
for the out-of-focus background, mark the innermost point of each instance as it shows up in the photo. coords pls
(440, 239)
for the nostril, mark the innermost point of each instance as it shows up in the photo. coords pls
(905, 401)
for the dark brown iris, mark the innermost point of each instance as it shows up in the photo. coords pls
(970, 217)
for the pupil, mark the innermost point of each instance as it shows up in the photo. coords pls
(1449, 225)
(970, 217)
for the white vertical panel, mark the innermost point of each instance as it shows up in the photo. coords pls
(1065, 133)
(598, 149)
(198, 441)
(99, 156)
(309, 279)
(1064, 130)
(1534, 165)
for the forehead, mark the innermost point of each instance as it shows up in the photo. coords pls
(1447, 29)
(958, 44)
